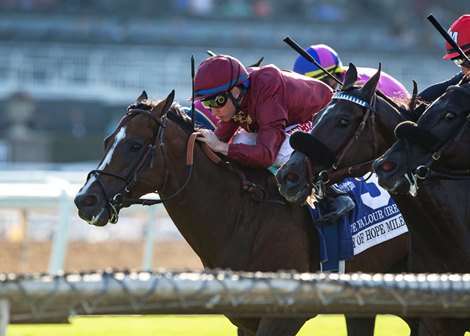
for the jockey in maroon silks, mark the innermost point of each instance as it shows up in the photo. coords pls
(257, 109)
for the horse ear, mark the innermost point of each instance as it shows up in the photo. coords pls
(143, 96)
(414, 97)
(350, 77)
(257, 64)
(370, 86)
(164, 105)
(169, 100)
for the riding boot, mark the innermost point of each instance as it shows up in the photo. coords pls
(336, 204)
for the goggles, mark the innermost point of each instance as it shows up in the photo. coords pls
(215, 101)
(461, 62)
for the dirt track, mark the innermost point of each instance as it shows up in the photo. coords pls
(33, 257)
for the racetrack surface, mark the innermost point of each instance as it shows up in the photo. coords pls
(33, 256)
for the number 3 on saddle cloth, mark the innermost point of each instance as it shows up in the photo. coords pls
(374, 219)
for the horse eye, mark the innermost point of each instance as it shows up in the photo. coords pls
(449, 116)
(343, 122)
(135, 147)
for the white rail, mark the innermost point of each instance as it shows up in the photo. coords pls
(49, 297)
(28, 191)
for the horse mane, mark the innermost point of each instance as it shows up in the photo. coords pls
(175, 113)
(403, 105)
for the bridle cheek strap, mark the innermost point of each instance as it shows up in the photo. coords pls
(369, 114)
(189, 164)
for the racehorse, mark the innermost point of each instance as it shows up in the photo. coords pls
(153, 149)
(431, 161)
(340, 131)
(436, 147)
(346, 138)
(433, 155)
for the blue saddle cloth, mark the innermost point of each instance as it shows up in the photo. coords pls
(374, 220)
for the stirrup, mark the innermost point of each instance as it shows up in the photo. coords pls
(338, 207)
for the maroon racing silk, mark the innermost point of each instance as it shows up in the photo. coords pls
(274, 100)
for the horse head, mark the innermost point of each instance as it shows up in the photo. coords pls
(127, 169)
(352, 130)
(435, 146)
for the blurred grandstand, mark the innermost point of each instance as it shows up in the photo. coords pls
(69, 68)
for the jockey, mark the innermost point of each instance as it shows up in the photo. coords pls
(330, 61)
(460, 32)
(258, 109)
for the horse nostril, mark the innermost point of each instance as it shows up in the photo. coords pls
(387, 166)
(87, 201)
(291, 177)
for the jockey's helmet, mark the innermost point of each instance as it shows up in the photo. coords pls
(325, 56)
(218, 74)
(460, 33)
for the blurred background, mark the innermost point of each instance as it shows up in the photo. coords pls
(69, 69)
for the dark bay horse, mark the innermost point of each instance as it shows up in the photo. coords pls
(224, 224)
(436, 147)
(336, 134)
(434, 156)
(346, 138)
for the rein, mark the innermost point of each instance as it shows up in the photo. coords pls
(120, 200)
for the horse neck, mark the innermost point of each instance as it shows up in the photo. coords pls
(205, 209)
(387, 118)
(438, 224)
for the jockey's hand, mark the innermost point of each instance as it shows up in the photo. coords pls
(212, 141)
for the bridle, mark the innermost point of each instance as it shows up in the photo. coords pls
(119, 200)
(426, 170)
(322, 178)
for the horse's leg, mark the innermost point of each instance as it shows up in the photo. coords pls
(246, 326)
(443, 327)
(366, 325)
(413, 323)
(243, 332)
(280, 326)
(360, 326)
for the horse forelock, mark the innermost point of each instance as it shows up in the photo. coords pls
(145, 104)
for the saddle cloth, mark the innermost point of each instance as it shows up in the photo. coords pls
(374, 220)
